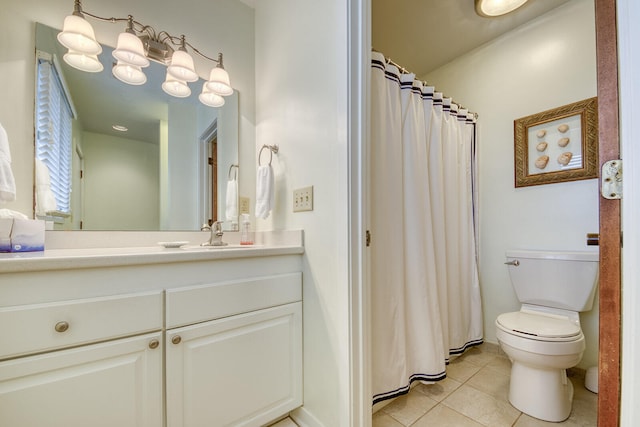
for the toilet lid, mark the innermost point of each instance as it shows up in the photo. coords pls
(538, 325)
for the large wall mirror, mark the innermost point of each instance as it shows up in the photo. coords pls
(167, 171)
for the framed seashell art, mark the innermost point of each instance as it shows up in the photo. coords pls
(557, 145)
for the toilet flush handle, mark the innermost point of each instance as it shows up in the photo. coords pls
(515, 263)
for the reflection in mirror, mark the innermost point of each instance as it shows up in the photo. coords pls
(167, 171)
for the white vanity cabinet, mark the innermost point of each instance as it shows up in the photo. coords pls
(238, 360)
(117, 383)
(54, 374)
(150, 338)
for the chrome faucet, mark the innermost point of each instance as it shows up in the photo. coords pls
(216, 235)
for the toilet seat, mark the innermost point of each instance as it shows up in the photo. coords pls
(539, 327)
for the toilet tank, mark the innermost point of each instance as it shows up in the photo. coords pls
(558, 279)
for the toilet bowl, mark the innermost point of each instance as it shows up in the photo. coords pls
(539, 386)
(544, 338)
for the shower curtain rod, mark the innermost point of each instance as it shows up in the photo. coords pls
(405, 71)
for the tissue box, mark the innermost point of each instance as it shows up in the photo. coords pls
(27, 235)
(6, 224)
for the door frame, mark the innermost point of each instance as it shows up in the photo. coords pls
(610, 219)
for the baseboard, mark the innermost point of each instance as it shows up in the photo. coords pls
(304, 418)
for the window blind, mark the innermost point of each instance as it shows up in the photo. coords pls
(53, 132)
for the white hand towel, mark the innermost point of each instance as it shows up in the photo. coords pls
(232, 200)
(7, 181)
(45, 200)
(264, 191)
(8, 213)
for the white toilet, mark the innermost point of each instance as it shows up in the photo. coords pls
(544, 338)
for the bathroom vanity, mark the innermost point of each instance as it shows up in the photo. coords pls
(150, 336)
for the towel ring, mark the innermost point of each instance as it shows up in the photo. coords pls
(272, 149)
(230, 169)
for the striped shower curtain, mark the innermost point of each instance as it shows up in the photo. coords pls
(424, 277)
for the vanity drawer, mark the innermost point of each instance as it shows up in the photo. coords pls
(186, 306)
(42, 327)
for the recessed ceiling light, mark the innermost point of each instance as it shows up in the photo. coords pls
(120, 128)
(492, 8)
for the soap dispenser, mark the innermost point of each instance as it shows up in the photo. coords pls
(246, 237)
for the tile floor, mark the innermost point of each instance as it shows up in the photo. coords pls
(474, 394)
(287, 422)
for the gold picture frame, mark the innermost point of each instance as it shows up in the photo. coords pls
(557, 145)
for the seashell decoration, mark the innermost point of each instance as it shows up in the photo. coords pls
(563, 128)
(541, 133)
(541, 146)
(563, 142)
(541, 162)
(565, 158)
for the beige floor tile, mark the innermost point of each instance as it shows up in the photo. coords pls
(585, 405)
(500, 364)
(478, 356)
(380, 419)
(408, 408)
(287, 422)
(461, 370)
(441, 416)
(492, 382)
(439, 390)
(481, 407)
(488, 347)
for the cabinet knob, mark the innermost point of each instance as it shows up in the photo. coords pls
(176, 339)
(62, 326)
(153, 344)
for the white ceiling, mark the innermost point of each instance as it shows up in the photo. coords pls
(422, 35)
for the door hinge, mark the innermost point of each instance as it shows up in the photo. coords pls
(368, 238)
(611, 184)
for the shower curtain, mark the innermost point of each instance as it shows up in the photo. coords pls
(424, 282)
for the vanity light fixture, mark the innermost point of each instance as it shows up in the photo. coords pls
(137, 45)
(493, 8)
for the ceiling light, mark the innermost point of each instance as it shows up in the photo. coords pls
(83, 62)
(218, 82)
(492, 8)
(135, 47)
(129, 48)
(211, 99)
(77, 34)
(181, 66)
(128, 73)
(176, 87)
(120, 128)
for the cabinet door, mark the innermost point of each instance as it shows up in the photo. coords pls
(244, 370)
(116, 383)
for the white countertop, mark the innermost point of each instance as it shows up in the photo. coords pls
(120, 250)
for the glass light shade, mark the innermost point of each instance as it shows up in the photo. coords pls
(181, 67)
(83, 62)
(176, 87)
(129, 74)
(491, 8)
(77, 35)
(209, 98)
(130, 50)
(218, 82)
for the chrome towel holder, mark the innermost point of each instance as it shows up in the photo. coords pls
(272, 149)
(230, 169)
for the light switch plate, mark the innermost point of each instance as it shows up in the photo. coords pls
(244, 205)
(303, 199)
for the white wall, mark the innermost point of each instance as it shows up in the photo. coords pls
(544, 64)
(220, 26)
(121, 190)
(301, 104)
